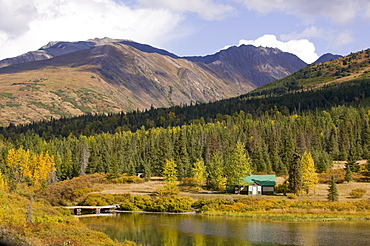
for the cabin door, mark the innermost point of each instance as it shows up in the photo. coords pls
(254, 190)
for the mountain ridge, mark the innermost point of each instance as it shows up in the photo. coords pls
(110, 76)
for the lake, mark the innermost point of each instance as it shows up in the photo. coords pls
(201, 230)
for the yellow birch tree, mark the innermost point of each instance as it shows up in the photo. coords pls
(31, 168)
(170, 175)
(17, 160)
(199, 174)
(309, 175)
(39, 169)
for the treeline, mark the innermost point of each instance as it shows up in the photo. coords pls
(340, 133)
(355, 93)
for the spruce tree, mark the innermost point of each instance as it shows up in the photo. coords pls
(216, 178)
(238, 165)
(199, 174)
(349, 176)
(295, 174)
(182, 156)
(333, 191)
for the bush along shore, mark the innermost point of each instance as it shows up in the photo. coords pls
(253, 207)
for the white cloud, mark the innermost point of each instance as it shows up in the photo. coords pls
(302, 48)
(15, 16)
(342, 39)
(339, 11)
(207, 9)
(335, 38)
(309, 32)
(38, 22)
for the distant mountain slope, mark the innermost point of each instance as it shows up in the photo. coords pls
(354, 66)
(327, 57)
(248, 63)
(107, 76)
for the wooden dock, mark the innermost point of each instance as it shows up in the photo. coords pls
(77, 210)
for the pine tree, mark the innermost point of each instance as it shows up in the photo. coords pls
(349, 175)
(199, 173)
(353, 165)
(182, 156)
(333, 191)
(216, 178)
(309, 176)
(238, 165)
(295, 174)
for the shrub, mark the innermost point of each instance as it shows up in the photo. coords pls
(135, 203)
(292, 196)
(282, 188)
(205, 205)
(357, 193)
(188, 182)
(98, 200)
(171, 204)
(164, 192)
(63, 193)
(143, 202)
(123, 178)
(79, 193)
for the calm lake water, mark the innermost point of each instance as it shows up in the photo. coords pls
(197, 230)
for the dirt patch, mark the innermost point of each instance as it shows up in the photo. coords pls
(147, 188)
(321, 191)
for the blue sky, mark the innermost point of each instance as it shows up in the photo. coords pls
(307, 28)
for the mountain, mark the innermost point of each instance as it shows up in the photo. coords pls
(355, 66)
(338, 85)
(327, 57)
(54, 49)
(64, 79)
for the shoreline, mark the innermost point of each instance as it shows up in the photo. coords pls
(288, 215)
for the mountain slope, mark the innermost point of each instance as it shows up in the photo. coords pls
(327, 57)
(354, 66)
(248, 63)
(54, 49)
(107, 76)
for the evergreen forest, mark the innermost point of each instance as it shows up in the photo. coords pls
(331, 123)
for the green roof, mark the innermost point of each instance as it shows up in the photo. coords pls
(262, 180)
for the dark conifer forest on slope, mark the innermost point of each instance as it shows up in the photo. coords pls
(331, 121)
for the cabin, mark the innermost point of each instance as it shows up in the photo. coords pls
(254, 185)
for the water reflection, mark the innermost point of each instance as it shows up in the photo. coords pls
(196, 230)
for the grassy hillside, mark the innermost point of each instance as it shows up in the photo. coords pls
(53, 92)
(353, 66)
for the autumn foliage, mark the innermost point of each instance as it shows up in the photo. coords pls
(33, 169)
